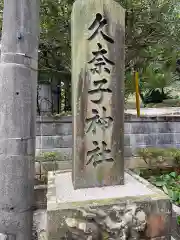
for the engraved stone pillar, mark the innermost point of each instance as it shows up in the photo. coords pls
(98, 34)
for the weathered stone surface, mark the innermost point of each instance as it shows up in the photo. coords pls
(166, 127)
(165, 138)
(39, 225)
(40, 200)
(49, 142)
(18, 88)
(145, 128)
(150, 139)
(7, 237)
(134, 211)
(53, 128)
(175, 225)
(133, 140)
(98, 98)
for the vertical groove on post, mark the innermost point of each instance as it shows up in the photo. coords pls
(137, 93)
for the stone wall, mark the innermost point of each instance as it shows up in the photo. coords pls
(55, 134)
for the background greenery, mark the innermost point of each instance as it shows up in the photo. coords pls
(152, 45)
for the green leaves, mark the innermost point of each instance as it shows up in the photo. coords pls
(152, 40)
(178, 220)
(152, 32)
(165, 189)
(159, 155)
(173, 174)
(170, 184)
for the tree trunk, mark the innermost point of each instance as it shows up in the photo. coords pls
(18, 88)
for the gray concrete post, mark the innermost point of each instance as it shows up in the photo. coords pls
(19, 54)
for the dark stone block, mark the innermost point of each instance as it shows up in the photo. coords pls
(165, 138)
(144, 128)
(50, 142)
(177, 138)
(127, 139)
(48, 129)
(128, 151)
(177, 126)
(150, 139)
(166, 127)
(127, 127)
(137, 139)
(63, 129)
(38, 127)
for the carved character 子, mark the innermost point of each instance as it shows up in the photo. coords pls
(99, 90)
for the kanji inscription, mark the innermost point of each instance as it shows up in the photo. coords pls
(99, 154)
(96, 120)
(97, 25)
(97, 34)
(100, 60)
(99, 63)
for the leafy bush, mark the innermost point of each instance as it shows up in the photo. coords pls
(170, 184)
(159, 155)
(48, 157)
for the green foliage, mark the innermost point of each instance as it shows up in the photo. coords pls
(62, 114)
(159, 155)
(55, 49)
(170, 184)
(154, 96)
(178, 220)
(48, 157)
(152, 41)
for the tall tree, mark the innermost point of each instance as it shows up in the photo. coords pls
(152, 38)
(152, 31)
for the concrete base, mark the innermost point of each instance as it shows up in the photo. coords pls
(136, 210)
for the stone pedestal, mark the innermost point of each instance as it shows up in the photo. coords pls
(136, 210)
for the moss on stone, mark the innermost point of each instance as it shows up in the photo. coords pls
(111, 201)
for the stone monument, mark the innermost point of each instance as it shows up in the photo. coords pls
(97, 200)
(98, 32)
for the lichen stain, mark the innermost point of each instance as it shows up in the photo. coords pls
(82, 100)
(155, 225)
